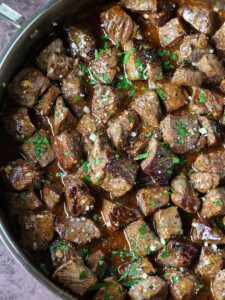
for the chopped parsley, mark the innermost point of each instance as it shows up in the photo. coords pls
(22, 196)
(201, 99)
(124, 83)
(218, 203)
(126, 57)
(40, 145)
(143, 155)
(148, 134)
(176, 160)
(60, 245)
(95, 217)
(175, 278)
(97, 55)
(153, 203)
(59, 174)
(165, 254)
(83, 275)
(77, 98)
(132, 92)
(160, 93)
(182, 128)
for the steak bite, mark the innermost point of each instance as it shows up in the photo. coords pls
(141, 238)
(105, 102)
(201, 18)
(151, 198)
(118, 25)
(158, 162)
(188, 77)
(27, 86)
(204, 181)
(210, 263)
(120, 129)
(22, 174)
(45, 104)
(209, 130)
(18, 125)
(140, 6)
(213, 203)
(218, 39)
(184, 196)
(218, 285)
(153, 287)
(112, 289)
(37, 230)
(81, 42)
(182, 133)
(168, 223)
(68, 149)
(162, 15)
(51, 195)
(171, 33)
(176, 254)
(43, 57)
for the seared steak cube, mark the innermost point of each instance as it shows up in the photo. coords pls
(140, 5)
(209, 130)
(141, 238)
(158, 162)
(118, 25)
(176, 254)
(68, 149)
(184, 196)
(37, 230)
(168, 222)
(105, 102)
(78, 198)
(81, 42)
(55, 46)
(218, 285)
(161, 16)
(120, 129)
(188, 77)
(152, 287)
(147, 105)
(182, 133)
(75, 276)
(103, 68)
(112, 289)
(59, 66)
(204, 181)
(51, 195)
(171, 33)
(172, 96)
(22, 174)
(45, 104)
(218, 39)
(213, 203)
(210, 263)
(27, 86)
(18, 124)
(201, 18)
(151, 198)
(139, 141)
(203, 232)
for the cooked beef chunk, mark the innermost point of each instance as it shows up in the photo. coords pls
(193, 48)
(151, 198)
(63, 119)
(147, 105)
(118, 25)
(114, 172)
(78, 198)
(212, 67)
(213, 203)
(37, 230)
(168, 222)
(103, 68)
(209, 130)
(218, 286)
(187, 77)
(75, 276)
(207, 102)
(222, 86)
(218, 39)
(81, 42)
(96, 262)
(51, 195)
(116, 216)
(140, 5)
(43, 57)
(22, 174)
(141, 238)
(39, 148)
(73, 92)
(158, 162)
(77, 230)
(105, 102)
(22, 201)
(111, 290)
(27, 86)
(18, 124)
(210, 263)
(173, 97)
(161, 16)
(141, 62)
(171, 33)
(139, 141)
(184, 196)
(201, 18)
(121, 128)
(59, 66)
(68, 149)
(184, 285)
(204, 181)
(203, 232)
(45, 104)
(176, 254)
(152, 287)
(182, 133)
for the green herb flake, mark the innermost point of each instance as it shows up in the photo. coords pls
(175, 278)
(201, 99)
(153, 203)
(95, 217)
(151, 287)
(126, 57)
(59, 174)
(97, 55)
(143, 155)
(160, 94)
(66, 153)
(165, 254)
(83, 275)
(182, 128)
(22, 197)
(176, 160)
(117, 156)
(124, 83)
(132, 92)
(148, 134)
(218, 202)
(77, 98)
